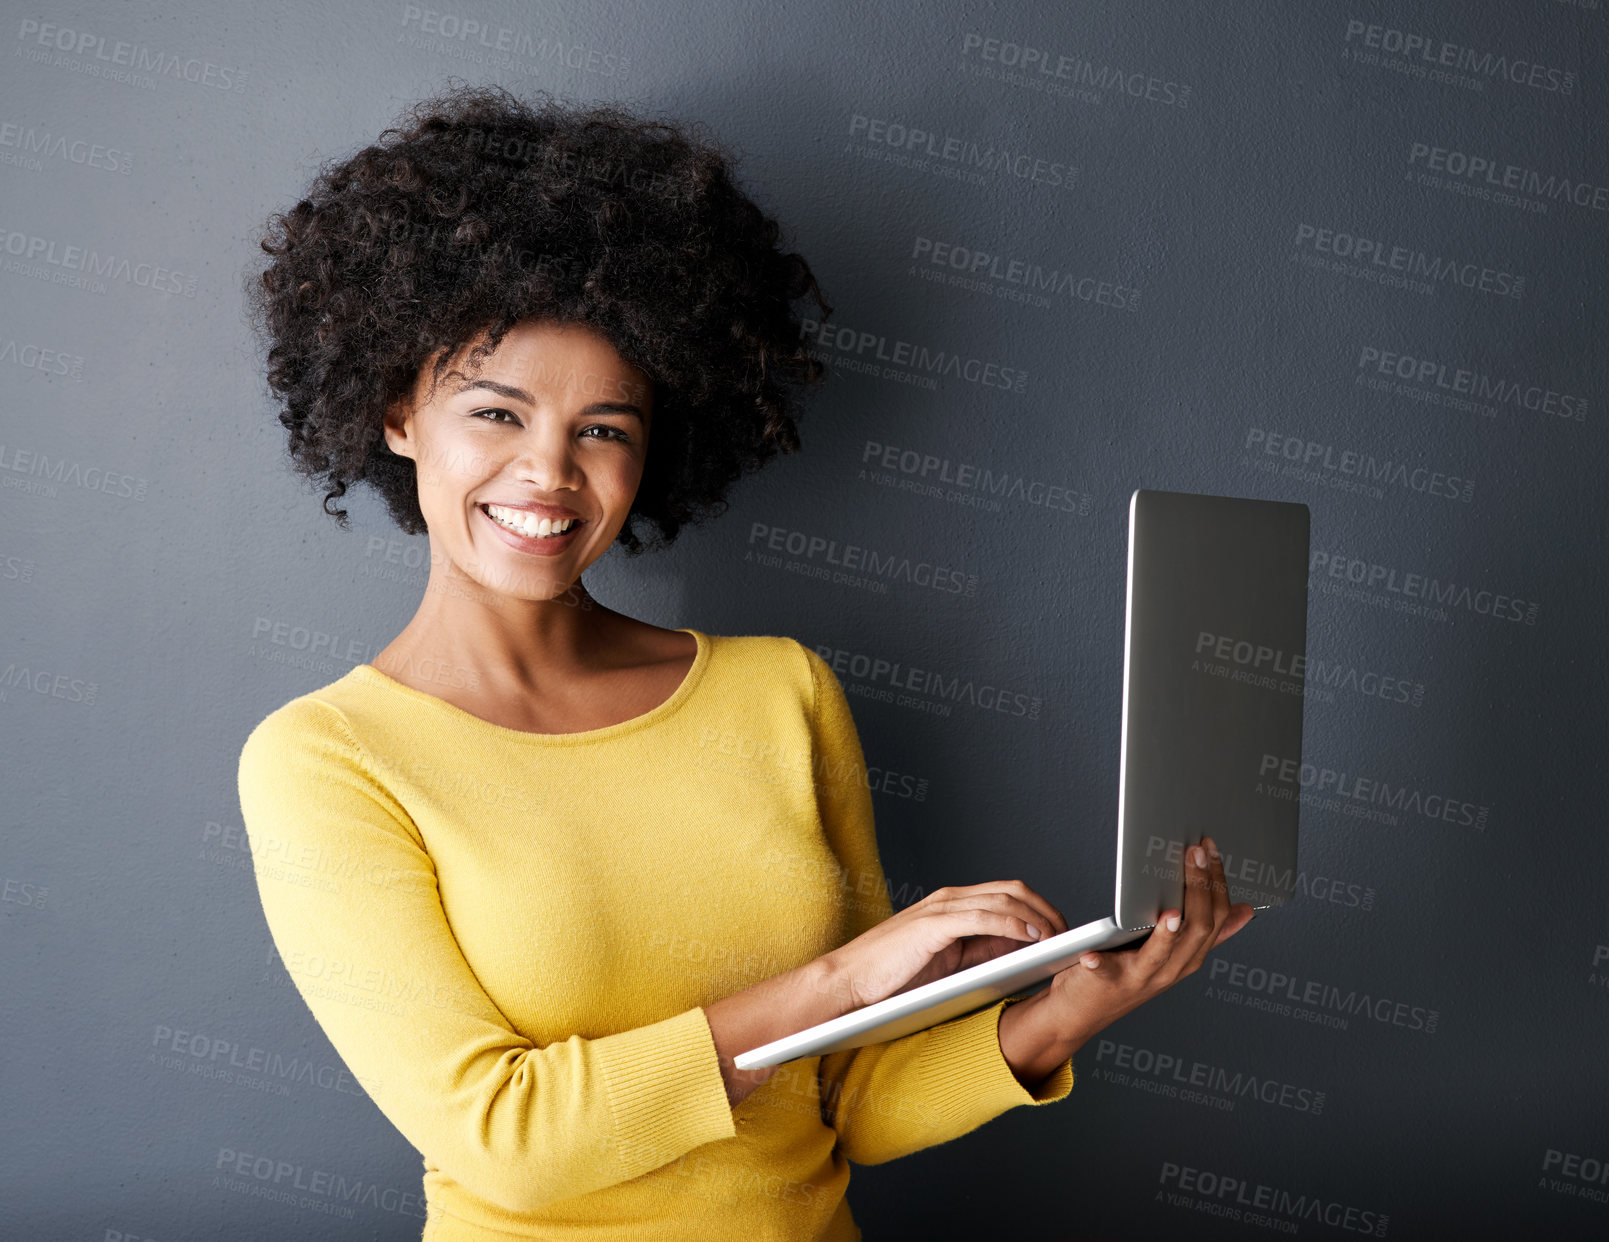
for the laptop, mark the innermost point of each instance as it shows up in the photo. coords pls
(1214, 655)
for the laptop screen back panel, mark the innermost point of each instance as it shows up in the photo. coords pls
(1215, 655)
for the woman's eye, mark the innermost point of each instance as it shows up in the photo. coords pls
(609, 433)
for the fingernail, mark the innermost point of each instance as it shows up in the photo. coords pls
(1173, 922)
(1212, 848)
(1197, 856)
(1034, 931)
(1091, 962)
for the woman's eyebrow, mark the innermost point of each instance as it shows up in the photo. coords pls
(502, 390)
(519, 394)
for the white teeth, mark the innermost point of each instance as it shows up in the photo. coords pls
(528, 524)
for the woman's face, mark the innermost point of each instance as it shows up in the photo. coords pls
(552, 428)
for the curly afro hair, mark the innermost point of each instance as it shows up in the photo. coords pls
(481, 210)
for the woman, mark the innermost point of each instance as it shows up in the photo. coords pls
(542, 869)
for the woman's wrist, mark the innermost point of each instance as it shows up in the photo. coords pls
(770, 1009)
(1032, 1043)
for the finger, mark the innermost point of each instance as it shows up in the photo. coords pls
(1019, 890)
(1003, 899)
(1113, 970)
(1240, 914)
(1152, 956)
(1041, 914)
(1181, 937)
(1052, 915)
(987, 920)
(1195, 927)
(1218, 887)
(1197, 919)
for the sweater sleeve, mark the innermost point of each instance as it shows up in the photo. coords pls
(359, 926)
(890, 1099)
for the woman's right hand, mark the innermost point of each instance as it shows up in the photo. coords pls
(946, 931)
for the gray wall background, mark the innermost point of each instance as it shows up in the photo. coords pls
(165, 581)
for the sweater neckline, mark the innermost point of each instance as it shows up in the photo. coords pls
(679, 696)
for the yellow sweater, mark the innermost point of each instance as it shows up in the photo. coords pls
(508, 937)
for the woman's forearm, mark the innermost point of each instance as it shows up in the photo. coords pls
(1030, 1040)
(769, 1010)
(1031, 1045)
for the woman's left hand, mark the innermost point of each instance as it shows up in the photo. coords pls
(1100, 987)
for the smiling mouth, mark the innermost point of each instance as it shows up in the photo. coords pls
(529, 525)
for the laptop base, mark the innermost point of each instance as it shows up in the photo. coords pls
(1014, 973)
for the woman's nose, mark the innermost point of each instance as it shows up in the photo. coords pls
(547, 457)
